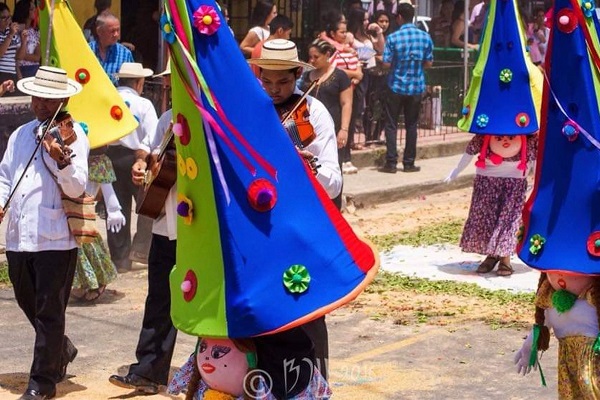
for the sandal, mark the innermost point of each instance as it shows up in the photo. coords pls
(93, 294)
(78, 294)
(487, 265)
(504, 269)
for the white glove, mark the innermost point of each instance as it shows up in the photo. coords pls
(522, 357)
(452, 176)
(115, 219)
(462, 164)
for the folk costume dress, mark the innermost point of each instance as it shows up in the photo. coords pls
(94, 268)
(561, 219)
(501, 108)
(261, 249)
(497, 199)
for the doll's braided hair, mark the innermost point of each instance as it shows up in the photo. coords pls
(544, 339)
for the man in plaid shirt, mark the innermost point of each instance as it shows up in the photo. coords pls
(408, 51)
(109, 53)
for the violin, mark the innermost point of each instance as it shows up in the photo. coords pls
(61, 129)
(295, 118)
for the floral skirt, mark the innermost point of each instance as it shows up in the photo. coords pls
(494, 216)
(94, 266)
(578, 369)
(101, 169)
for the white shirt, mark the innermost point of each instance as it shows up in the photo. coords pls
(581, 319)
(261, 32)
(143, 111)
(166, 223)
(36, 219)
(324, 147)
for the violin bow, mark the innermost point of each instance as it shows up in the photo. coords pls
(37, 146)
(300, 100)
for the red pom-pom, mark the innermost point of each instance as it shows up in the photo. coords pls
(262, 195)
(116, 112)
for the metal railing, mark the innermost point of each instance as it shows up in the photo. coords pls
(441, 105)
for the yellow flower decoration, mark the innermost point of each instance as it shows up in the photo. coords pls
(192, 168)
(181, 167)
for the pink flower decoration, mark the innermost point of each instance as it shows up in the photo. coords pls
(206, 20)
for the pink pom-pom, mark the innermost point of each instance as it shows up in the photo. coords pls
(177, 129)
(564, 20)
(496, 159)
(186, 286)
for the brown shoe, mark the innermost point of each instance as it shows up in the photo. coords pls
(504, 269)
(487, 265)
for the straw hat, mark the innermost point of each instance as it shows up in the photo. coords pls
(167, 70)
(279, 55)
(49, 83)
(133, 70)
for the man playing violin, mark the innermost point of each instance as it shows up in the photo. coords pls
(40, 249)
(279, 70)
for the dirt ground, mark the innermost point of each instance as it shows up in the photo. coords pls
(397, 308)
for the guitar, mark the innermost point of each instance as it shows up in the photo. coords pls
(160, 177)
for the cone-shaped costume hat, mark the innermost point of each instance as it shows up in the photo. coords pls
(99, 107)
(505, 92)
(261, 248)
(562, 217)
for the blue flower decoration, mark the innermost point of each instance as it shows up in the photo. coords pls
(465, 110)
(588, 7)
(482, 120)
(167, 29)
(85, 127)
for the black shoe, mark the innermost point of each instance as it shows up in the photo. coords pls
(123, 266)
(389, 169)
(411, 168)
(133, 381)
(69, 354)
(32, 394)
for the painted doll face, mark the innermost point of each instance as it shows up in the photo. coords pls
(506, 146)
(222, 366)
(573, 283)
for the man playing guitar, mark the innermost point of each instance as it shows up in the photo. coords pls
(157, 337)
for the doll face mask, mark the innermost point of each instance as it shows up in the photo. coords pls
(573, 283)
(506, 146)
(222, 366)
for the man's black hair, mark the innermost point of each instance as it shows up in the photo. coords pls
(406, 11)
(280, 21)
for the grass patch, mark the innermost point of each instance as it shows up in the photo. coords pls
(445, 232)
(4, 273)
(385, 282)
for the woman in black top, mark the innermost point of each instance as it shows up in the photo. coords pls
(333, 90)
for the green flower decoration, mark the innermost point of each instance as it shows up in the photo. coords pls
(296, 279)
(563, 300)
(506, 75)
(536, 241)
